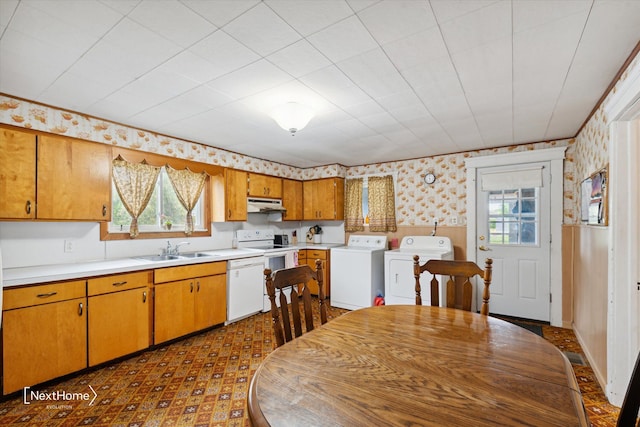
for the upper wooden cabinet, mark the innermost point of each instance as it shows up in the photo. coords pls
(324, 199)
(265, 186)
(53, 178)
(292, 200)
(234, 197)
(17, 174)
(74, 179)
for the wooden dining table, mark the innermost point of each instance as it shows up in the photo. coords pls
(416, 365)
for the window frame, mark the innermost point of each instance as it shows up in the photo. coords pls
(215, 173)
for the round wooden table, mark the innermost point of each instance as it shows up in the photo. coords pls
(416, 365)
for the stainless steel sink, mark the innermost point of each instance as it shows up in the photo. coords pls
(194, 255)
(159, 257)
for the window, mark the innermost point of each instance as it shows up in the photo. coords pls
(514, 217)
(163, 213)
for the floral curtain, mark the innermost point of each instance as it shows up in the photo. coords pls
(353, 205)
(382, 206)
(188, 186)
(135, 183)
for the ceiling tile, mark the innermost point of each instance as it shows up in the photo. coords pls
(343, 40)
(87, 16)
(7, 9)
(299, 59)
(253, 78)
(417, 50)
(173, 20)
(335, 87)
(224, 52)
(392, 20)
(261, 30)
(446, 10)
(220, 12)
(315, 16)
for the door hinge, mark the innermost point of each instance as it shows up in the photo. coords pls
(550, 298)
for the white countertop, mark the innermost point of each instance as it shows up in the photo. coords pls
(56, 272)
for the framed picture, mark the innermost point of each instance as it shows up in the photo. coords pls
(594, 198)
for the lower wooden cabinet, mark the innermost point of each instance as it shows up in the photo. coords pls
(44, 333)
(309, 257)
(119, 315)
(184, 304)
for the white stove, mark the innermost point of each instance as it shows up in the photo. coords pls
(399, 283)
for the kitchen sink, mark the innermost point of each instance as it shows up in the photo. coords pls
(160, 257)
(195, 255)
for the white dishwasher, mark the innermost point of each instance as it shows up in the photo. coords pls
(245, 278)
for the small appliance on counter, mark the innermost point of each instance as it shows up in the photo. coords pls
(281, 240)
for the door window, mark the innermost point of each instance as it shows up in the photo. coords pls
(514, 217)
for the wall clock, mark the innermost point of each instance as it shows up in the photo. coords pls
(430, 178)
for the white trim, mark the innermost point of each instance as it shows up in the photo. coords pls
(622, 308)
(555, 157)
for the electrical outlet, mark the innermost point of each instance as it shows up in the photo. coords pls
(68, 246)
(454, 220)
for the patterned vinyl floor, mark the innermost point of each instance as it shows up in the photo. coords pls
(203, 380)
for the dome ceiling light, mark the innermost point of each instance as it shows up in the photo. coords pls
(292, 116)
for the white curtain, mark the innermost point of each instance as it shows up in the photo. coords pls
(188, 186)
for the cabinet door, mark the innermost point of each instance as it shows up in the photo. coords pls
(265, 186)
(324, 198)
(211, 301)
(308, 209)
(74, 179)
(174, 310)
(292, 199)
(235, 195)
(118, 324)
(17, 174)
(312, 256)
(43, 342)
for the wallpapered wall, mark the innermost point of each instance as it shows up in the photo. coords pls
(418, 204)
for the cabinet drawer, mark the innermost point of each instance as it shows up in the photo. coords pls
(314, 254)
(171, 274)
(43, 294)
(118, 282)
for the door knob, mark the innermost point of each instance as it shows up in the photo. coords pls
(484, 248)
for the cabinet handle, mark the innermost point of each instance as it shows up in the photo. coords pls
(229, 216)
(144, 297)
(198, 283)
(50, 294)
(191, 284)
(119, 283)
(28, 207)
(80, 308)
(104, 210)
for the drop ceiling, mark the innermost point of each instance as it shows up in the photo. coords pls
(388, 80)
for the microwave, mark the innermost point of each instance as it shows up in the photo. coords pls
(281, 240)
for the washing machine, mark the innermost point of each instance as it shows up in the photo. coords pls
(399, 283)
(357, 271)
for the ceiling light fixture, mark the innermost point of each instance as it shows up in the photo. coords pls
(292, 116)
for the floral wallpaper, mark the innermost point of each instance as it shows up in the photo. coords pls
(417, 203)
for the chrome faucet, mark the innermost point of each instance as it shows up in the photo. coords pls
(176, 248)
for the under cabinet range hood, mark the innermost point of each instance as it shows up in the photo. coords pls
(259, 205)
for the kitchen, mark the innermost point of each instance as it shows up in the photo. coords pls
(33, 243)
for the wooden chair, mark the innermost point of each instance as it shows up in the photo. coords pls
(453, 269)
(290, 278)
(629, 411)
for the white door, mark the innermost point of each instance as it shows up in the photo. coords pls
(513, 228)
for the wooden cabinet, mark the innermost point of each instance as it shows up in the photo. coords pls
(119, 315)
(53, 178)
(188, 298)
(235, 195)
(292, 200)
(44, 332)
(309, 257)
(324, 199)
(265, 186)
(74, 179)
(17, 174)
